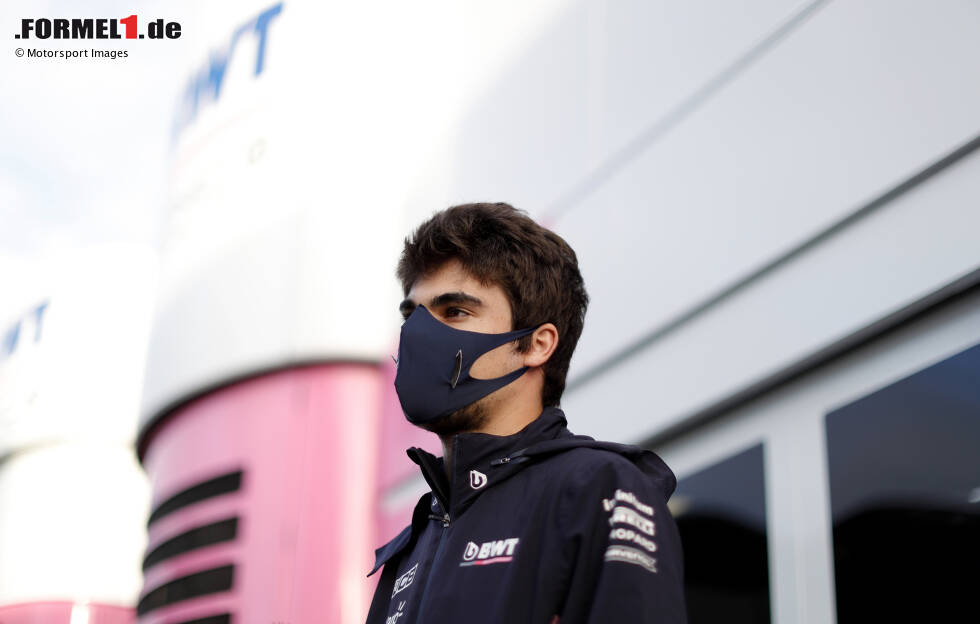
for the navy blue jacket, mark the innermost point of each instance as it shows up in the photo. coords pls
(539, 527)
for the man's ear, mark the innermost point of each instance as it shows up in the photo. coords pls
(544, 341)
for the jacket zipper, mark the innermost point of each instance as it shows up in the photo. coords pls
(516, 457)
(446, 521)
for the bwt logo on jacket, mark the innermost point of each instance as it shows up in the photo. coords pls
(496, 551)
(103, 28)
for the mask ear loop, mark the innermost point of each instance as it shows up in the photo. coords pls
(511, 337)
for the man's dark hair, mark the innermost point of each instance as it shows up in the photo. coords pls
(499, 244)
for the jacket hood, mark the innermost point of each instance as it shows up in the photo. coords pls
(647, 461)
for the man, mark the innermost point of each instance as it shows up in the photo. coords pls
(525, 522)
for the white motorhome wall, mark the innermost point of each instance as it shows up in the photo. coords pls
(755, 193)
(744, 186)
(73, 499)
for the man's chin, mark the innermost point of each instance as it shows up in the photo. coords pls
(470, 418)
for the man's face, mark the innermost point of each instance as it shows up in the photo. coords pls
(459, 300)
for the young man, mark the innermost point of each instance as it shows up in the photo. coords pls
(525, 522)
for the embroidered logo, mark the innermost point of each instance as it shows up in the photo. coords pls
(625, 515)
(631, 555)
(477, 479)
(496, 551)
(633, 542)
(626, 497)
(628, 535)
(404, 580)
(394, 618)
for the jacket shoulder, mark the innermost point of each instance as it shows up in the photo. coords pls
(618, 458)
(582, 456)
(586, 471)
(597, 457)
(584, 461)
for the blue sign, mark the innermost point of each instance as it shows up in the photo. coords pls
(11, 337)
(205, 85)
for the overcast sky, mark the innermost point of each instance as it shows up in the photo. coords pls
(84, 140)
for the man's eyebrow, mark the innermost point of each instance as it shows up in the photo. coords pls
(407, 306)
(454, 297)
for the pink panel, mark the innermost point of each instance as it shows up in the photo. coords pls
(397, 434)
(60, 613)
(306, 440)
(392, 520)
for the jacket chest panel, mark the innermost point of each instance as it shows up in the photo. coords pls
(487, 559)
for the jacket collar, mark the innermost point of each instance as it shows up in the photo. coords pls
(497, 458)
(481, 460)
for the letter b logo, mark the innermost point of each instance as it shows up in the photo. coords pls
(477, 479)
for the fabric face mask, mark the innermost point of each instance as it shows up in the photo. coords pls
(434, 360)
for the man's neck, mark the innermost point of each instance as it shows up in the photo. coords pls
(503, 422)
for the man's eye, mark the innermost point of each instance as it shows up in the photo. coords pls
(456, 312)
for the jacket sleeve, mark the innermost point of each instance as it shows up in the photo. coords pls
(623, 548)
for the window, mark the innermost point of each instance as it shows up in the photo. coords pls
(904, 468)
(721, 515)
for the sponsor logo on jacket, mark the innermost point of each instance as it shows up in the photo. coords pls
(625, 515)
(477, 479)
(625, 508)
(394, 618)
(626, 497)
(404, 580)
(495, 551)
(631, 555)
(629, 535)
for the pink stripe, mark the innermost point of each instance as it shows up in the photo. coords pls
(494, 560)
(43, 612)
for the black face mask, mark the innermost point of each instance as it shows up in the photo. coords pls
(434, 360)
